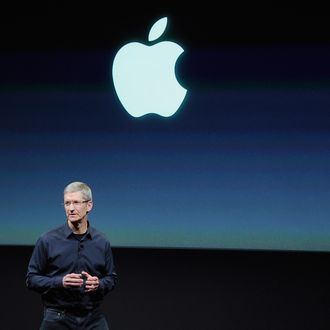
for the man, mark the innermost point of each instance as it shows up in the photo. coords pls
(72, 267)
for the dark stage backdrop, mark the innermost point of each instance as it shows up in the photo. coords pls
(201, 208)
(243, 164)
(188, 289)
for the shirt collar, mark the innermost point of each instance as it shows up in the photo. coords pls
(68, 232)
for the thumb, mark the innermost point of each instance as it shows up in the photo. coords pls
(85, 274)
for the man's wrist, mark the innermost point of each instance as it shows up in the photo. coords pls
(58, 281)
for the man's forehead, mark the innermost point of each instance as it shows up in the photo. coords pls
(73, 195)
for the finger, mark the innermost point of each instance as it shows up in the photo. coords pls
(92, 279)
(85, 274)
(70, 280)
(92, 284)
(74, 280)
(74, 275)
(72, 284)
(90, 289)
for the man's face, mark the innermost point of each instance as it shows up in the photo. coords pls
(76, 207)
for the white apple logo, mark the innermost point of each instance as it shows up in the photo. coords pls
(144, 76)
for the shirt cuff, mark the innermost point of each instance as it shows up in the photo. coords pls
(58, 282)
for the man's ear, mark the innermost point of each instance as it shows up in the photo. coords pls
(89, 206)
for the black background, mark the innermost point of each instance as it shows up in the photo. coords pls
(79, 25)
(178, 289)
(192, 289)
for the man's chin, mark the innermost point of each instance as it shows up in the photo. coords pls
(73, 219)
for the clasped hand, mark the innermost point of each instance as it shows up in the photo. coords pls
(78, 280)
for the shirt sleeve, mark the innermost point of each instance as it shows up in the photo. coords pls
(110, 278)
(35, 278)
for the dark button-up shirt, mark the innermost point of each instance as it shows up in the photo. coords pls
(58, 253)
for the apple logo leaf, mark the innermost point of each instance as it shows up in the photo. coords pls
(157, 29)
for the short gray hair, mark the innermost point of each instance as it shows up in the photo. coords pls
(79, 186)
